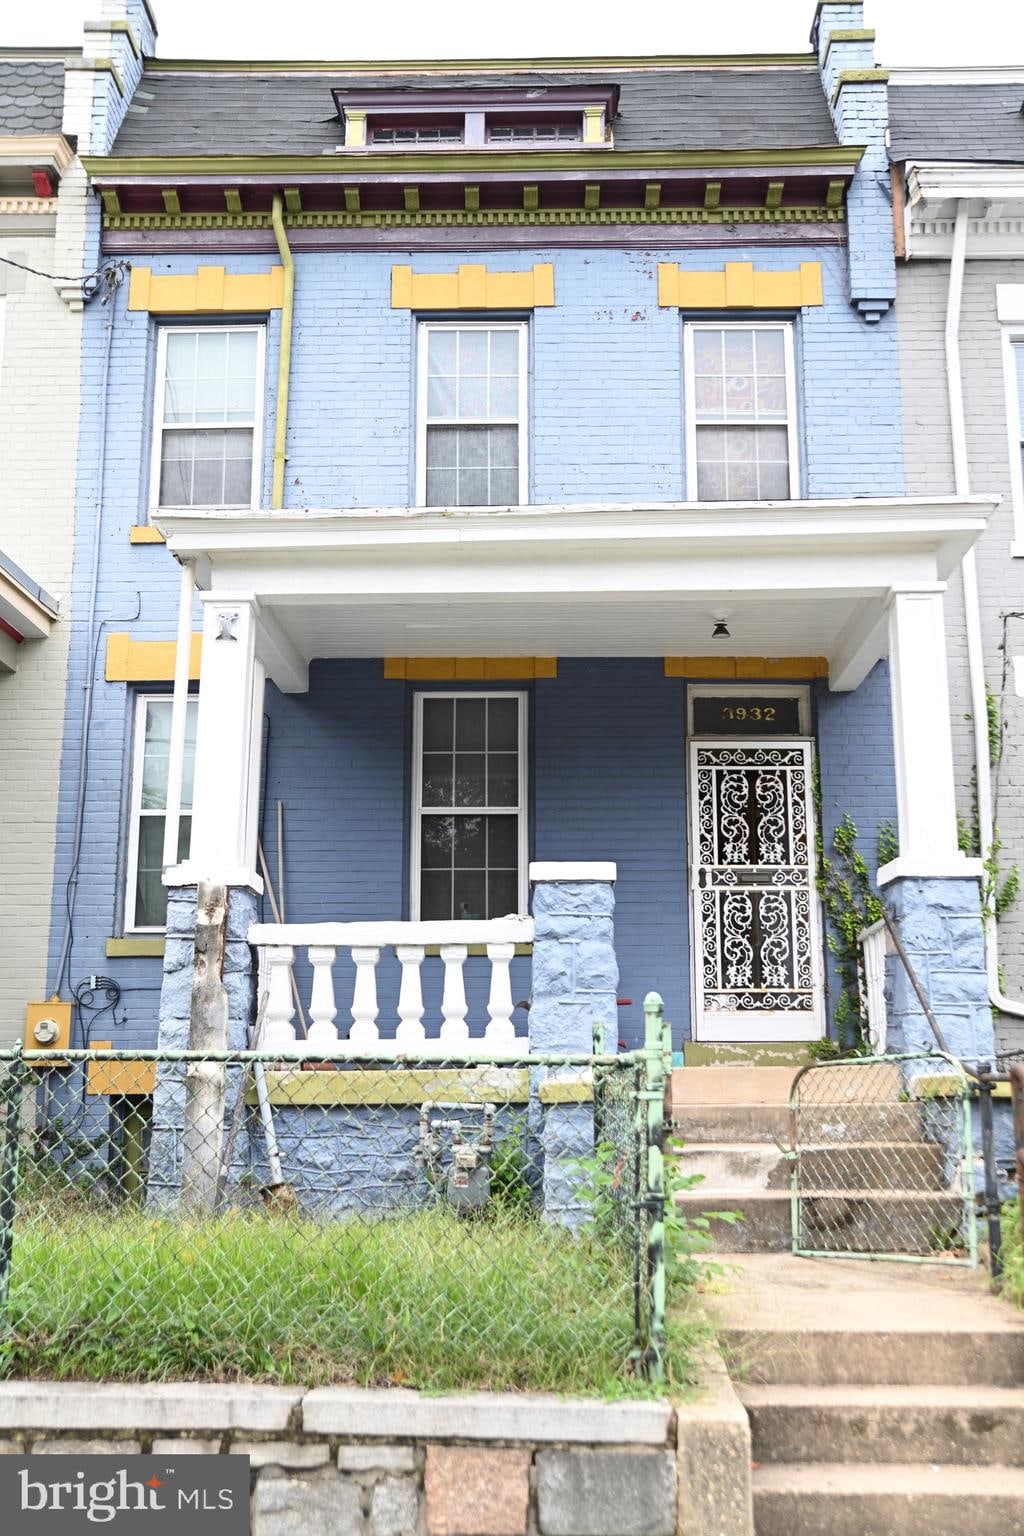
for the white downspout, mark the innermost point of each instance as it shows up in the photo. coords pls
(972, 611)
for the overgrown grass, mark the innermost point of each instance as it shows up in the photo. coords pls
(1011, 1283)
(423, 1299)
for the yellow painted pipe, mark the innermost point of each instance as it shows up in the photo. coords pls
(284, 359)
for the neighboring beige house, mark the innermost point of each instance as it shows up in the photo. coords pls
(43, 216)
(957, 147)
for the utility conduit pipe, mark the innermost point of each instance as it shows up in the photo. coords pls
(284, 358)
(972, 611)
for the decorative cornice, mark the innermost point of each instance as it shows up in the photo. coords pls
(116, 168)
(473, 287)
(34, 149)
(36, 206)
(738, 285)
(476, 218)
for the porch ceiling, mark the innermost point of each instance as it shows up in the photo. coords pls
(791, 578)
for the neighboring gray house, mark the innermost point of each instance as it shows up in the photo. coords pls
(957, 150)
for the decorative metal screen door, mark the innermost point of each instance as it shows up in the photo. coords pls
(757, 951)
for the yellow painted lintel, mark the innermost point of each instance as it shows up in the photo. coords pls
(145, 533)
(738, 285)
(466, 669)
(207, 291)
(567, 1090)
(374, 1086)
(770, 668)
(134, 949)
(473, 287)
(146, 661)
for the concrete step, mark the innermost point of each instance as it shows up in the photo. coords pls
(970, 1426)
(898, 1499)
(759, 1166)
(856, 1222)
(742, 1053)
(830, 1086)
(875, 1357)
(771, 1122)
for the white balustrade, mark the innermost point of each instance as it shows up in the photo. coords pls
(872, 984)
(411, 943)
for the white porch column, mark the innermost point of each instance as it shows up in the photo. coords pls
(228, 740)
(922, 740)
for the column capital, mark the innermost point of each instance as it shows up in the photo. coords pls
(957, 867)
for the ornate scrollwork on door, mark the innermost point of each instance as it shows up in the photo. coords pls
(755, 877)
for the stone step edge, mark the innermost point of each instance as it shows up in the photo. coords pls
(883, 1479)
(760, 1147)
(759, 1395)
(350, 1412)
(773, 1196)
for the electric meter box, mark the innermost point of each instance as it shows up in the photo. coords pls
(48, 1028)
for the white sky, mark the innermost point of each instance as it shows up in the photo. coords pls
(909, 31)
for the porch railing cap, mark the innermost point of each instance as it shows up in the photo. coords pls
(565, 873)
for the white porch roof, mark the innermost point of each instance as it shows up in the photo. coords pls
(610, 579)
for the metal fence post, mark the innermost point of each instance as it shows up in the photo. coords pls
(988, 1152)
(10, 1095)
(1016, 1075)
(654, 1093)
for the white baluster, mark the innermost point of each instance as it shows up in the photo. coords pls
(454, 1029)
(410, 1031)
(323, 1032)
(500, 1031)
(364, 1035)
(278, 1029)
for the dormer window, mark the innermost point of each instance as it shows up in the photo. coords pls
(477, 117)
(414, 135)
(502, 129)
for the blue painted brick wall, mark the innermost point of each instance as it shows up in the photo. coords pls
(857, 769)
(605, 423)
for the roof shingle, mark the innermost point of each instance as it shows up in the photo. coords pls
(957, 122)
(31, 95)
(194, 113)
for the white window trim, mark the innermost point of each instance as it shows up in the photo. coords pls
(423, 329)
(142, 703)
(798, 691)
(163, 332)
(689, 403)
(417, 789)
(1013, 337)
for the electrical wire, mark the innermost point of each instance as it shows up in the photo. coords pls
(101, 274)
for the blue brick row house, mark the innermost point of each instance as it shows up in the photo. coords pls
(503, 513)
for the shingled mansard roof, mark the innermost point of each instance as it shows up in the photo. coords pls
(246, 111)
(957, 121)
(31, 95)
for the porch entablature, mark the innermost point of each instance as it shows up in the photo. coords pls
(791, 578)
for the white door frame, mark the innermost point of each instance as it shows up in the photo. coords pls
(751, 1025)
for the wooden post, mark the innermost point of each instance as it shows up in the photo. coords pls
(205, 1081)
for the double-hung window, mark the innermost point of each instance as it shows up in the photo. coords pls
(209, 389)
(741, 440)
(469, 805)
(471, 428)
(146, 896)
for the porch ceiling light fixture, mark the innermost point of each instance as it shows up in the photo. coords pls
(721, 630)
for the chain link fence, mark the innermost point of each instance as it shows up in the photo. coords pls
(436, 1223)
(883, 1159)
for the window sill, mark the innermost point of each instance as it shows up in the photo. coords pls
(1017, 549)
(127, 949)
